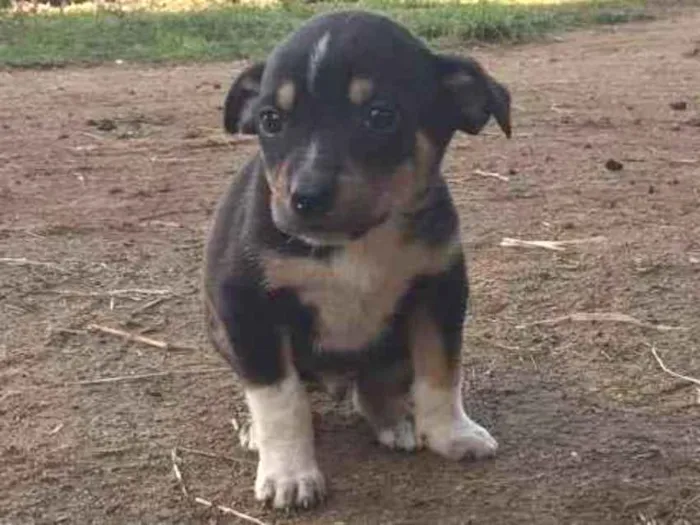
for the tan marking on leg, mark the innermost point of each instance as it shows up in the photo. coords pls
(430, 360)
(441, 422)
(285, 95)
(390, 417)
(360, 90)
(382, 396)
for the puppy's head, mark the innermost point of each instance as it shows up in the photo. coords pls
(353, 115)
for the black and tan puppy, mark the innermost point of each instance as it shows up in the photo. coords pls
(335, 255)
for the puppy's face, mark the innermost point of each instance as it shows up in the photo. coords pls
(353, 115)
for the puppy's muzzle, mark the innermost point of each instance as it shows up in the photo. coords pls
(311, 200)
(313, 185)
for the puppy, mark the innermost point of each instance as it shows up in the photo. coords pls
(335, 256)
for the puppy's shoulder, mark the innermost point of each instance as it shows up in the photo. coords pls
(433, 221)
(231, 238)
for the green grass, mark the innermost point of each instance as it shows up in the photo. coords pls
(249, 32)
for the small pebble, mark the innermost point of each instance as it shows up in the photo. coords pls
(613, 165)
(679, 105)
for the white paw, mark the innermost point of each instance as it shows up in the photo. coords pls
(402, 436)
(282, 431)
(461, 439)
(286, 485)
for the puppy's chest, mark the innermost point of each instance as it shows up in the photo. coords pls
(355, 293)
(354, 301)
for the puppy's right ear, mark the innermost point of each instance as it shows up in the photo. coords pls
(238, 107)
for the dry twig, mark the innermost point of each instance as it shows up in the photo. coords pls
(21, 261)
(166, 224)
(491, 174)
(684, 162)
(115, 293)
(178, 475)
(201, 501)
(165, 213)
(602, 317)
(56, 429)
(92, 136)
(229, 510)
(138, 338)
(671, 372)
(139, 377)
(8, 395)
(495, 344)
(148, 306)
(88, 147)
(558, 246)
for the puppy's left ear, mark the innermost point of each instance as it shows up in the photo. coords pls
(238, 114)
(474, 95)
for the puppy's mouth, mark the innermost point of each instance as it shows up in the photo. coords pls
(323, 234)
(361, 232)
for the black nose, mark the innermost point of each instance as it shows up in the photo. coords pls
(312, 201)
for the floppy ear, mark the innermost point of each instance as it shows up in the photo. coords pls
(474, 95)
(238, 114)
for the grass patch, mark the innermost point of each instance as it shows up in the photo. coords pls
(243, 31)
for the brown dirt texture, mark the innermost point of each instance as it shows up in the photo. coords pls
(109, 176)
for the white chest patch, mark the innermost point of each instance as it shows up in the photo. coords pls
(356, 292)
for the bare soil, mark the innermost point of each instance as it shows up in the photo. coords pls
(108, 179)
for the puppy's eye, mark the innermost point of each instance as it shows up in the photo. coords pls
(383, 120)
(270, 121)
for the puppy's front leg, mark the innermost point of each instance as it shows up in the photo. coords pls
(242, 329)
(436, 338)
(281, 417)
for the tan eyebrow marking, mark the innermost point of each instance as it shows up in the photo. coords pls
(285, 95)
(360, 90)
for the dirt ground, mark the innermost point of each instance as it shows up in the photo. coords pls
(108, 179)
